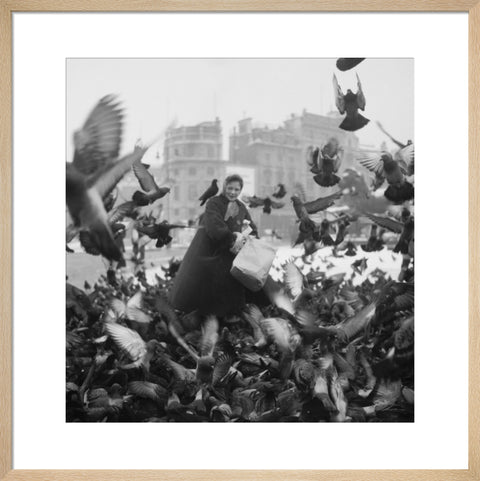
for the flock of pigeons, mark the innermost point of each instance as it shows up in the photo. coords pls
(324, 349)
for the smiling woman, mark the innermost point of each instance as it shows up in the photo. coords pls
(204, 282)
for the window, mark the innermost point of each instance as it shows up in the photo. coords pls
(210, 171)
(192, 171)
(267, 156)
(176, 192)
(191, 213)
(175, 173)
(192, 192)
(176, 212)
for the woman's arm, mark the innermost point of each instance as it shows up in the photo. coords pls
(252, 224)
(215, 226)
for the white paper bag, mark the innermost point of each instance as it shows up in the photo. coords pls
(252, 264)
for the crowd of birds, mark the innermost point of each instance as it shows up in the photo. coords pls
(323, 349)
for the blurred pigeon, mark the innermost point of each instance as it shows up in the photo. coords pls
(95, 171)
(279, 192)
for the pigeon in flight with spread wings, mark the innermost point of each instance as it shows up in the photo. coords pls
(349, 103)
(266, 202)
(95, 171)
(148, 184)
(383, 165)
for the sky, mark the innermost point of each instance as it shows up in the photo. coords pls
(157, 92)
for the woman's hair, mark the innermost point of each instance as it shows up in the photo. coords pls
(234, 178)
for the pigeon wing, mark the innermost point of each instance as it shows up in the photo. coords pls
(339, 97)
(386, 222)
(373, 163)
(209, 336)
(321, 203)
(360, 96)
(134, 310)
(144, 177)
(111, 175)
(98, 141)
(127, 340)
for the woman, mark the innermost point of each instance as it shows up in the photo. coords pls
(203, 282)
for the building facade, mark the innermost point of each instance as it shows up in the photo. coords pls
(278, 156)
(192, 159)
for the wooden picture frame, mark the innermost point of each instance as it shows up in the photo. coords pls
(8, 7)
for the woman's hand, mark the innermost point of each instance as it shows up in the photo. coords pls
(239, 242)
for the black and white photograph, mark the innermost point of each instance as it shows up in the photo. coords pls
(240, 240)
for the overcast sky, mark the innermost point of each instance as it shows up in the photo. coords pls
(156, 92)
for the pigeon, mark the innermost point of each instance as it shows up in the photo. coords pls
(342, 230)
(349, 104)
(344, 64)
(325, 237)
(160, 232)
(266, 202)
(279, 192)
(405, 242)
(130, 342)
(372, 241)
(210, 192)
(94, 173)
(406, 152)
(351, 249)
(148, 184)
(325, 162)
(118, 229)
(399, 189)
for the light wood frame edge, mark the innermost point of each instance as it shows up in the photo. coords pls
(7, 8)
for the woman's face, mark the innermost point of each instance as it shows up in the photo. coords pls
(233, 189)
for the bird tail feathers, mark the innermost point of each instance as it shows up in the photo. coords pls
(351, 124)
(327, 180)
(400, 193)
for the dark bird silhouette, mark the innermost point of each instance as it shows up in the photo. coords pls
(115, 216)
(342, 230)
(210, 192)
(148, 184)
(405, 228)
(406, 237)
(324, 236)
(349, 104)
(325, 162)
(399, 189)
(372, 242)
(344, 64)
(266, 202)
(95, 172)
(387, 222)
(307, 227)
(160, 232)
(322, 203)
(351, 249)
(279, 192)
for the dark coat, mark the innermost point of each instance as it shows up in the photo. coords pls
(203, 281)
